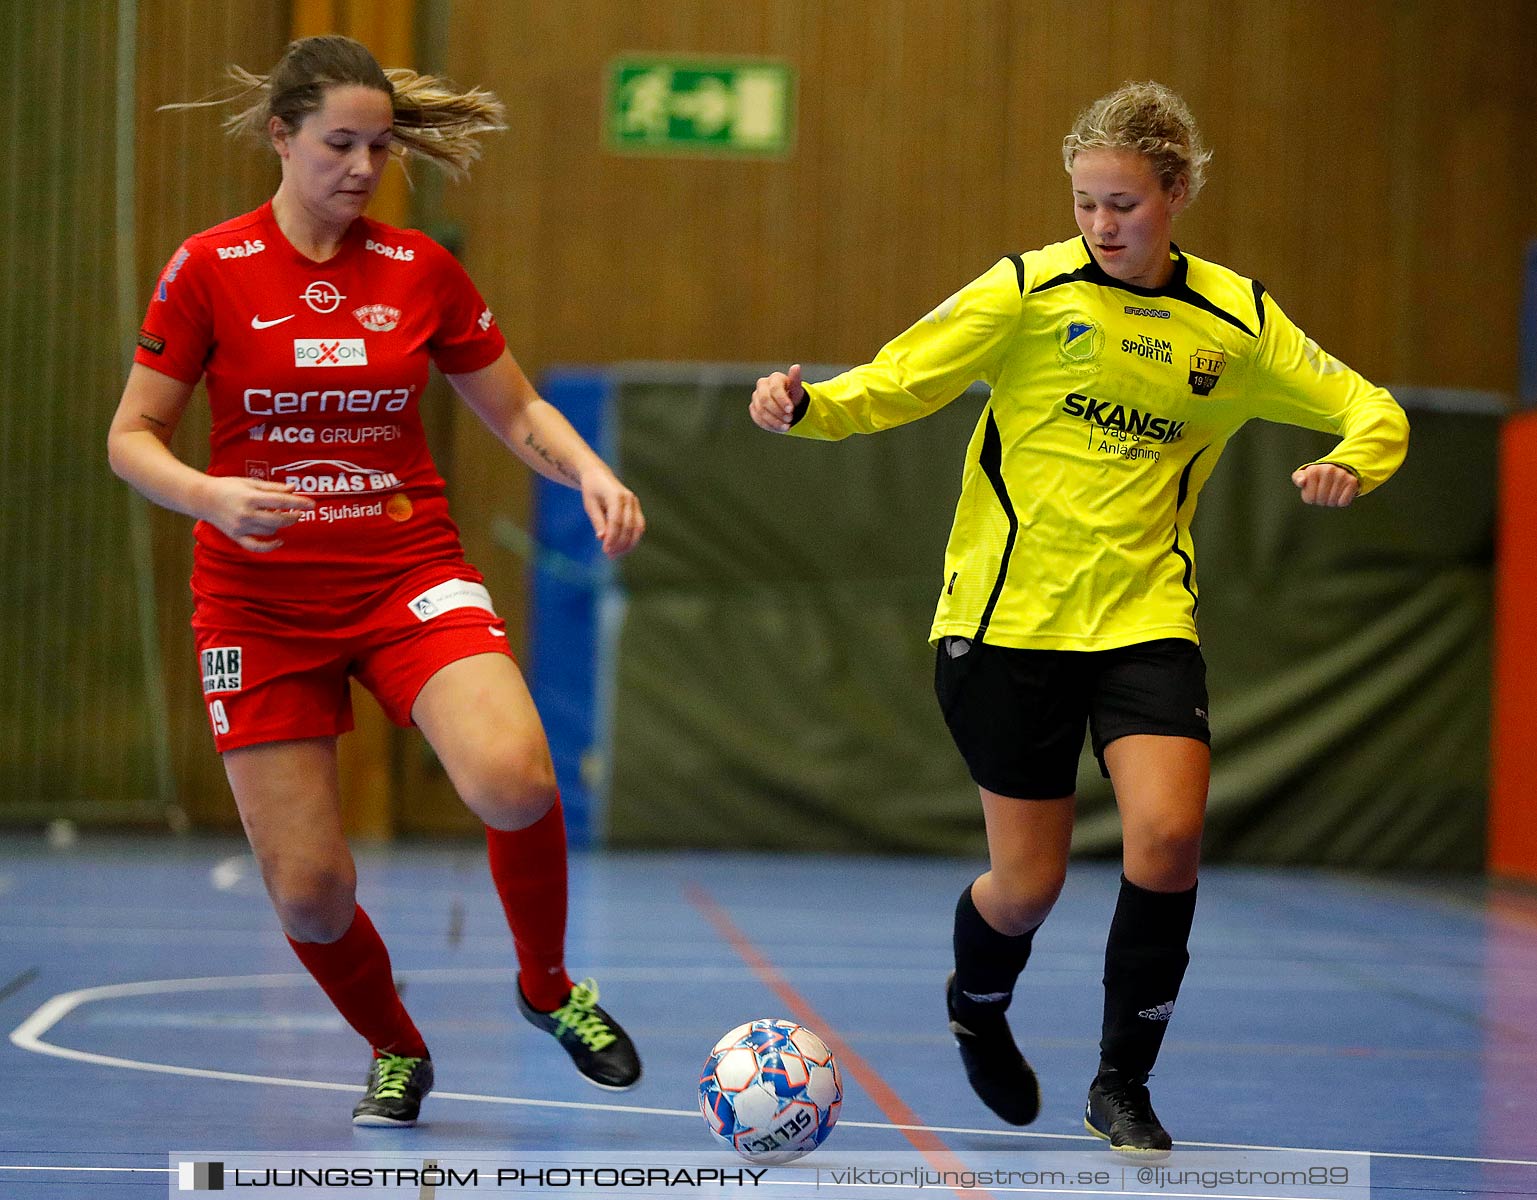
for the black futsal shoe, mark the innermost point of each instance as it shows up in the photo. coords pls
(601, 1050)
(394, 1091)
(1120, 1111)
(997, 1071)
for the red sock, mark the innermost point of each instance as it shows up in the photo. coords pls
(354, 971)
(528, 867)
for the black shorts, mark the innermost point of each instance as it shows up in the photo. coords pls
(1018, 716)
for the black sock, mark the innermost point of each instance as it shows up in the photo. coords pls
(1145, 959)
(987, 963)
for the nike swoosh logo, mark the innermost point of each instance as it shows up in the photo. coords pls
(258, 323)
(495, 632)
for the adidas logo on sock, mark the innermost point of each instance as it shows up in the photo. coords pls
(1161, 1013)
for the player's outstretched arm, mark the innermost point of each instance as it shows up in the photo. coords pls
(248, 511)
(534, 430)
(1326, 485)
(775, 398)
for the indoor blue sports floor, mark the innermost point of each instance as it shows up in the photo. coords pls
(153, 1009)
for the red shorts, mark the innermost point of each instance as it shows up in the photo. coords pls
(273, 686)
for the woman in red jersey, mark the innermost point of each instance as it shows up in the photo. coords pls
(324, 548)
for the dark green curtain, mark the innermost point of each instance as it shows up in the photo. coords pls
(773, 686)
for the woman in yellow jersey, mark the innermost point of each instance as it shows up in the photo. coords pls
(1119, 367)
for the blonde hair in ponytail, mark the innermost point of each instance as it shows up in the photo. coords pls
(432, 119)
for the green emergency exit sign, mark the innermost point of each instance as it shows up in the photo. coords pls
(685, 106)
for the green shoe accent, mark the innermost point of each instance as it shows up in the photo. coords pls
(582, 1016)
(394, 1091)
(601, 1050)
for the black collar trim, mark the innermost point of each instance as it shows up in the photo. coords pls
(1178, 287)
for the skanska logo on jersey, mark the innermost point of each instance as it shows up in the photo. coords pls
(1118, 418)
(330, 352)
(398, 253)
(250, 247)
(310, 477)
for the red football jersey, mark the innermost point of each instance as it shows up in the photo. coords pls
(315, 372)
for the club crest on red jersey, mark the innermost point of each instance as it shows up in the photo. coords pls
(377, 318)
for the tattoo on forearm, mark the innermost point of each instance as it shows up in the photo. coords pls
(154, 420)
(561, 467)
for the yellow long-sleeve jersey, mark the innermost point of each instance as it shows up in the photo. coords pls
(1110, 406)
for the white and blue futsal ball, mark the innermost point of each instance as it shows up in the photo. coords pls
(771, 1091)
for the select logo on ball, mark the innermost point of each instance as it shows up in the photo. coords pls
(398, 507)
(771, 1091)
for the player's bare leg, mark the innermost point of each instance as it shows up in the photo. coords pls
(481, 721)
(290, 804)
(995, 921)
(1027, 849)
(289, 800)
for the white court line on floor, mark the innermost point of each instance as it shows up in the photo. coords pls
(29, 1036)
(109, 1170)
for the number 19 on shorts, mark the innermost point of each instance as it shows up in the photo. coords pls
(218, 716)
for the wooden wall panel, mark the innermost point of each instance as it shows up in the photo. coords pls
(1369, 166)
(77, 741)
(191, 176)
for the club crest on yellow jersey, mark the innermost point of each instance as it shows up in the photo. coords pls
(1079, 341)
(1206, 367)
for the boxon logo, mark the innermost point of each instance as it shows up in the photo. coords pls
(330, 352)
